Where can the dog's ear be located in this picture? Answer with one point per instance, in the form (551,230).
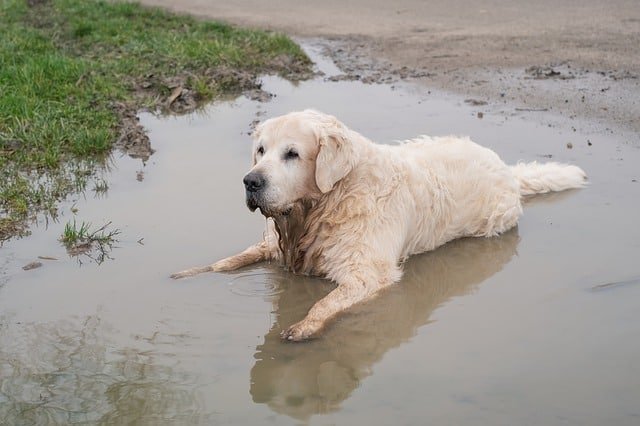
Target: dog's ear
(255,135)
(336,156)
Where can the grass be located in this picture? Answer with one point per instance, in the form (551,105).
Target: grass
(101,186)
(74,235)
(82,240)
(73,73)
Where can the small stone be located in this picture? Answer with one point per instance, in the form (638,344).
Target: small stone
(475,102)
(32,265)
(569,145)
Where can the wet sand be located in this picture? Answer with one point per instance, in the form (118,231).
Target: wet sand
(578,59)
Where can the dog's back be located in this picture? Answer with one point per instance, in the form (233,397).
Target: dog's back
(458,188)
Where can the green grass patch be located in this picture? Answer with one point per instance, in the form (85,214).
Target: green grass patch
(75,235)
(73,73)
(81,239)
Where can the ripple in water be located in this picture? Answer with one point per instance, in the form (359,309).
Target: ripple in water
(256,284)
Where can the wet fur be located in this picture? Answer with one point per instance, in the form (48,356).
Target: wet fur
(352,211)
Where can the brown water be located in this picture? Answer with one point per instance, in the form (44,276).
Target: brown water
(538,326)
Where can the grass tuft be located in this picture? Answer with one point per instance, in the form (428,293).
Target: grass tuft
(82,240)
(101,186)
(73,73)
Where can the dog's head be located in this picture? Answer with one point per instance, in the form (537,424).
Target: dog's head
(298,156)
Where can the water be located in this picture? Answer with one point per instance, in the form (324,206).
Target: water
(520,329)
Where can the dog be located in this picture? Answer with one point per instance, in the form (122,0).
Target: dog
(350,210)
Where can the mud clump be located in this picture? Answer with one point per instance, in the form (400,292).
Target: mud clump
(538,72)
(290,67)
(259,95)
(32,265)
(353,57)
(475,102)
(132,137)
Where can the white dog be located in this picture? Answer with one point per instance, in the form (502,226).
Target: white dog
(350,210)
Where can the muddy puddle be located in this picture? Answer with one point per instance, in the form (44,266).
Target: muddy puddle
(538,326)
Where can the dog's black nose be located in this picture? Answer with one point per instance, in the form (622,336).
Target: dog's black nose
(253,182)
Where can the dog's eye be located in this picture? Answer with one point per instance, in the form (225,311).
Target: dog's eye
(291,154)
(260,150)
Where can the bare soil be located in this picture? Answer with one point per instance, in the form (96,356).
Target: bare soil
(575,58)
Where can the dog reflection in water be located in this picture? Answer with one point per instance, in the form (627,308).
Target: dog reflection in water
(316,377)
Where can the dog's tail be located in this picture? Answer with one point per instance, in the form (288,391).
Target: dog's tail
(535,178)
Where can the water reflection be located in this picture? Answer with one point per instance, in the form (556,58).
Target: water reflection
(300,380)
(68,372)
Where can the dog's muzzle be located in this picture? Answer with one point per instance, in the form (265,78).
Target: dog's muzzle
(254,184)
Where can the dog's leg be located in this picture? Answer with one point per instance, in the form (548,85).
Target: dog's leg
(345,295)
(254,254)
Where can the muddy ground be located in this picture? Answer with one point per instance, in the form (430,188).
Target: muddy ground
(538,326)
(579,59)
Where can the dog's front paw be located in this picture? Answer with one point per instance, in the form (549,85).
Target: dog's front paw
(302,330)
(181,274)
(190,272)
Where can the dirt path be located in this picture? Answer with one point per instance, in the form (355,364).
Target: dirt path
(576,58)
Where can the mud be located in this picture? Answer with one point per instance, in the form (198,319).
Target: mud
(485,49)
(537,326)
(133,139)
(605,98)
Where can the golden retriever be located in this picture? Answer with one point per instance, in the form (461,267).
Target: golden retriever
(350,210)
